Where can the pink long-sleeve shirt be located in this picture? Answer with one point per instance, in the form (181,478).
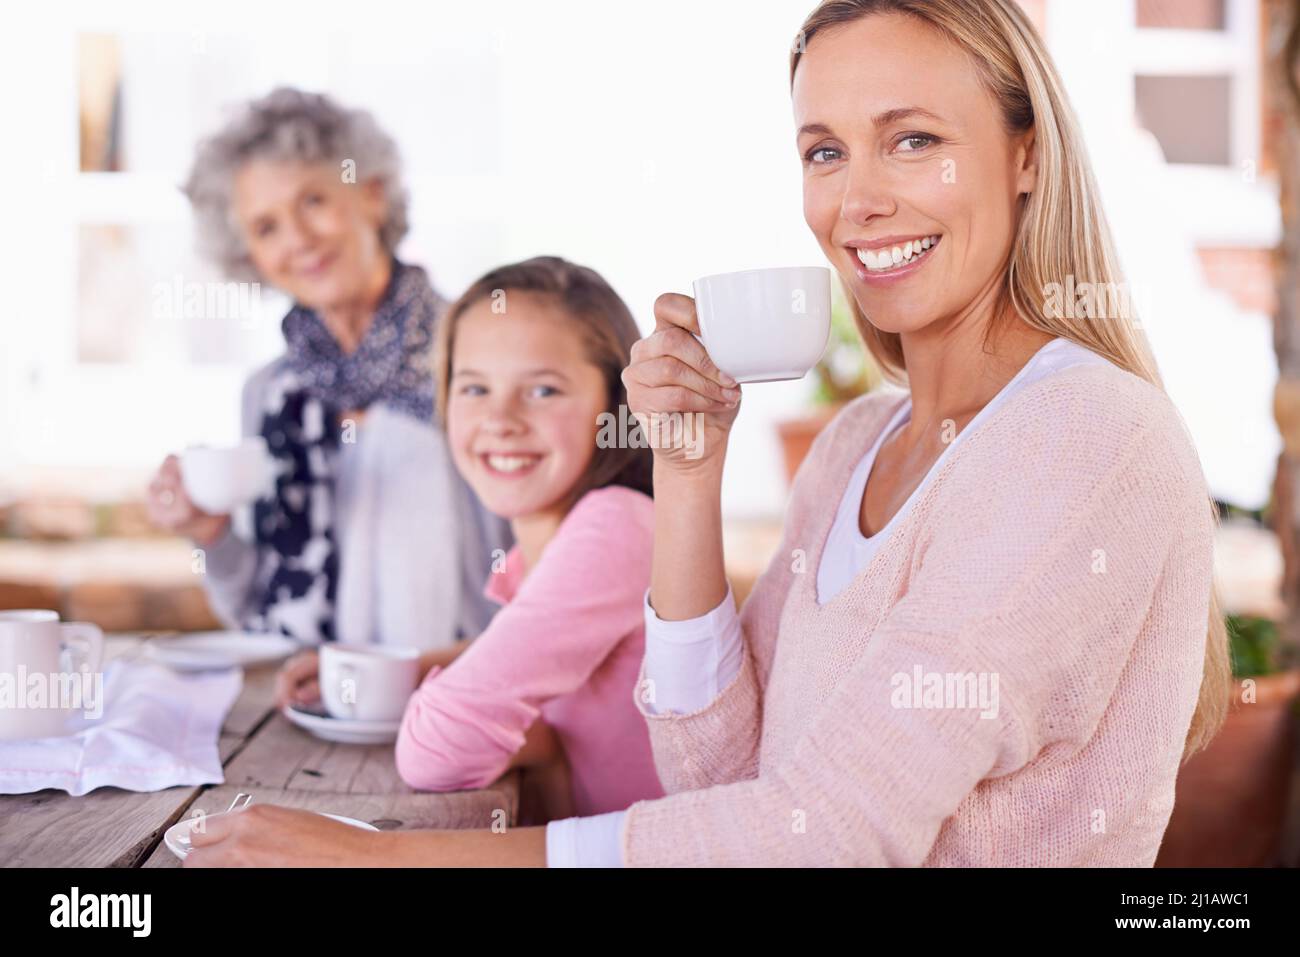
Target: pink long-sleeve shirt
(566,646)
(1008,682)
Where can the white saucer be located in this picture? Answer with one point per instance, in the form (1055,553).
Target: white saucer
(211,650)
(344,730)
(177,837)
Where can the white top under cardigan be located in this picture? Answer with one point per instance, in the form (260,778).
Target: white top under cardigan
(691,661)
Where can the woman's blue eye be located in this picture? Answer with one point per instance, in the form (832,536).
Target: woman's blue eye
(925,139)
(473,390)
(545,391)
(811,155)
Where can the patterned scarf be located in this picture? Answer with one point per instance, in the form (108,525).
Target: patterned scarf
(297,574)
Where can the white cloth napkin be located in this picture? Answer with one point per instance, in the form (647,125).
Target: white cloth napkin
(159,729)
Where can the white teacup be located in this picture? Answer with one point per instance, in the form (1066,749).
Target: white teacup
(218,480)
(63,658)
(763,325)
(367,682)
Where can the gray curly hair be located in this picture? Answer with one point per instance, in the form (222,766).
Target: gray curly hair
(294,126)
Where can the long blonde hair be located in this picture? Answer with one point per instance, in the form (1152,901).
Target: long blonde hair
(1062,232)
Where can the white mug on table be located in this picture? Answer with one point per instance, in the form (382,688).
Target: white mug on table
(367,682)
(49,671)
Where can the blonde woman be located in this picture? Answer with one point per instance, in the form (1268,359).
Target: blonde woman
(984,638)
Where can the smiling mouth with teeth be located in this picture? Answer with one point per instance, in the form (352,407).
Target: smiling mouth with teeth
(892,257)
(502,464)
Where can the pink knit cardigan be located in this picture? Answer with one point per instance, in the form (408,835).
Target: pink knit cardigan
(1009,682)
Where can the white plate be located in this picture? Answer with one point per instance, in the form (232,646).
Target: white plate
(177,837)
(344,730)
(210,650)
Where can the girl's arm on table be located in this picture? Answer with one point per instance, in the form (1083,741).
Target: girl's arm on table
(541,746)
(546,787)
(442,657)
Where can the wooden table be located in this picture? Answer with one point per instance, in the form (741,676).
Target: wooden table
(264,755)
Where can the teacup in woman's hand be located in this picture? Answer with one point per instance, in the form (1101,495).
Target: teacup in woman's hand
(219,480)
(764,325)
(170,508)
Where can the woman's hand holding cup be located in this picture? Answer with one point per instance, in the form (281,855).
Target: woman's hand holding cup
(170,507)
(684,403)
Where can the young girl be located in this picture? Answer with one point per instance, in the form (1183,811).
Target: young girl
(528,360)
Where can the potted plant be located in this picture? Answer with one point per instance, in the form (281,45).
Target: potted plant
(1231,799)
(845,372)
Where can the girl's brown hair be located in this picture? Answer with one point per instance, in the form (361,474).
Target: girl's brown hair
(1062,230)
(608,332)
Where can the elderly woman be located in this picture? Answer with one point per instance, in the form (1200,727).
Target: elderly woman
(369,534)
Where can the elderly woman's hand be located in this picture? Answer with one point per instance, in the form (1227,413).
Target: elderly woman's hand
(170,508)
